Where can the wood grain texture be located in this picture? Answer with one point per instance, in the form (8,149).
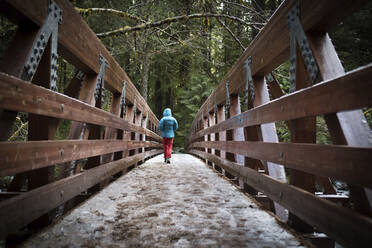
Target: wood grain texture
(18,95)
(351,164)
(323,98)
(341,224)
(270,48)
(21,210)
(17,157)
(79,45)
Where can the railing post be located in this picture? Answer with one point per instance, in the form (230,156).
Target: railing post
(303,130)
(212,136)
(268,133)
(137,136)
(205,125)
(343,132)
(238,133)
(221,135)
(42,128)
(13,63)
(127,135)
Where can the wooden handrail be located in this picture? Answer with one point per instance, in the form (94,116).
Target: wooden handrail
(79,45)
(270,48)
(18,95)
(341,224)
(322,98)
(106,154)
(21,210)
(16,157)
(349,164)
(336,96)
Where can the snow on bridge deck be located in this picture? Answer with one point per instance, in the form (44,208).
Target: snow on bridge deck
(184,204)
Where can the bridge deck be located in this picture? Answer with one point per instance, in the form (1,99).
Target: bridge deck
(184,204)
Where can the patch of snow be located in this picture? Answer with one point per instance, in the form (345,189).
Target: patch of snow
(182,204)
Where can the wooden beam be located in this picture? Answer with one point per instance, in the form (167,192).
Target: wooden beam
(270,48)
(111,133)
(127,135)
(345,226)
(79,45)
(356,133)
(13,62)
(276,92)
(303,130)
(20,210)
(21,96)
(16,157)
(350,164)
(322,98)
(268,134)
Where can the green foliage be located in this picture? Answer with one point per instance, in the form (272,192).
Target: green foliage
(188,59)
(7,31)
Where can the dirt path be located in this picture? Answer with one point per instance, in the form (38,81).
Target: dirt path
(184,204)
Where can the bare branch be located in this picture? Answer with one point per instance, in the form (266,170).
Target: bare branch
(150,24)
(90,11)
(231,33)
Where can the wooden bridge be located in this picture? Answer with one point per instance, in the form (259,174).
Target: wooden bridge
(242,146)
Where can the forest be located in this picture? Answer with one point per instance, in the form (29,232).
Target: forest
(177,51)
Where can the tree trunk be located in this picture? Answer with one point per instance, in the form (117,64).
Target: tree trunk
(145,75)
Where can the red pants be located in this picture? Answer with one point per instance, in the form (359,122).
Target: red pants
(167,147)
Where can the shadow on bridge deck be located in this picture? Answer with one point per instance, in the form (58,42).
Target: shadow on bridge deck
(184,204)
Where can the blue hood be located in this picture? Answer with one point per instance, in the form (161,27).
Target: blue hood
(167,112)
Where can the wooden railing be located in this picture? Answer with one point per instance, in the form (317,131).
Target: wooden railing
(243,145)
(46,172)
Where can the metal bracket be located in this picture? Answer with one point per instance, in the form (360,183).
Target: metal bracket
(48,29)
(298,36)
(122,100)
(80,75)
(249,88)
(269,77)
(227,105)
(135,105)
(100,83)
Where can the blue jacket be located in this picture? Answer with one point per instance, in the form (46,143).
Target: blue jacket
(168,124)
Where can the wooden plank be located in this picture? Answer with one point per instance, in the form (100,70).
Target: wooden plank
(79,45)
(16,157)
(237,133)
(356,133)
(268,134)
(20,210)
(127,135)
(79,130)
(42,128)
(303,130)
(13,62)
(222,134)
(345,226)
(276,92)
(350,164)
(137,122)
(323,98)
(111,133)
(270,48)
(212,136)
(21,96)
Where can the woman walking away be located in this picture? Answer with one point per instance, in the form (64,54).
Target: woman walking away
(167,125)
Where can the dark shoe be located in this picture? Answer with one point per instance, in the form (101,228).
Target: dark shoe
(168,161)
(165,160)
